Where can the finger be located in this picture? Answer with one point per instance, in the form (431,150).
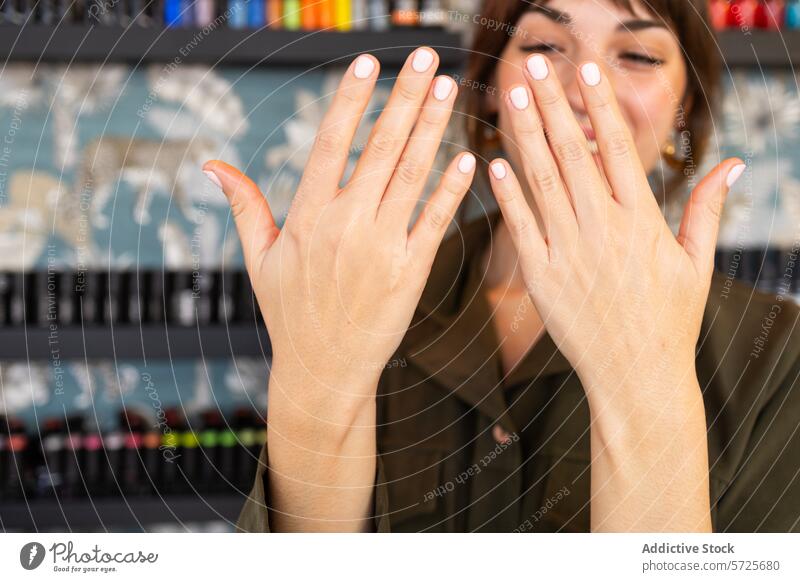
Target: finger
(411,174)
(519,218)
(700,224)
(549,193)
(430,227)
(621,163)
(331,150)
(390,133)
(251,214)
(567,140)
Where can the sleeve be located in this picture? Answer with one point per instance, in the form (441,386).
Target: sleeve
(764,494)
(255,515)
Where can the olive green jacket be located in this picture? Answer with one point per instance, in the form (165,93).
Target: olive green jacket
(463,449)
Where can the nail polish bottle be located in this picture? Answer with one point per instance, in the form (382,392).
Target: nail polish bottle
(742,14)
(792,15)
(16,467)
(74,458)
(770,14)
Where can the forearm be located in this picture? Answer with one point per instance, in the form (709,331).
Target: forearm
(649,467)
(321,446)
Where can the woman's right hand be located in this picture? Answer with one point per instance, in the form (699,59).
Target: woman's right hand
(339,283)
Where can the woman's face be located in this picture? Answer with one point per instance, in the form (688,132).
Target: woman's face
(641,56)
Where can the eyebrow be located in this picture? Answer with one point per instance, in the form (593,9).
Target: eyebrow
(562,17)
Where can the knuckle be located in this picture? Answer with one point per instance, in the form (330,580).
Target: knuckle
(351,96)
(548,98)
(531,129)
(430,120)
(452,186)
(617,145)
(522,227)
(382,145)
(328,142)
(571,151)
(238,205)
(602,107)
(714,209)
(410,173)
(547,180)
(436,217)
(407,92)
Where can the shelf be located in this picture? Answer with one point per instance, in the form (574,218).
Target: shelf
(135,343)
(760,48)
(222,46)
(118,514)
(265,47)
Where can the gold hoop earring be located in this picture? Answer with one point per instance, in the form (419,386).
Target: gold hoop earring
(669,155)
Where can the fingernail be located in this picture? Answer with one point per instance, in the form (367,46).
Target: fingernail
(519,98)
(735,173)
(442,88)
(499,170)
(423,59)
(537,67)
(213,177)
(364,67)
(591,74)
(466,164)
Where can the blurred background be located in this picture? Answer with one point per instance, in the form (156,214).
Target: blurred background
(133,362)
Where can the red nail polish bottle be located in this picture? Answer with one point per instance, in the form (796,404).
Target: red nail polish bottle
(770,14)
(719,11)
(742,13)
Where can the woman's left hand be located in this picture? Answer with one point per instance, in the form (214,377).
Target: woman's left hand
(620,295)
(605,272)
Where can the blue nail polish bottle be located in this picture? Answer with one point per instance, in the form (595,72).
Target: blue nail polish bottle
(792,18)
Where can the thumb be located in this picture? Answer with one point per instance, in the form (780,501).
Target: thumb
(700,224)
(251,214)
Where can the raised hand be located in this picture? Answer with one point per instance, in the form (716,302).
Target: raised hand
(339,283)
(621,296)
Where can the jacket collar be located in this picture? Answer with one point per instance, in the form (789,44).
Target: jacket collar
(452,337)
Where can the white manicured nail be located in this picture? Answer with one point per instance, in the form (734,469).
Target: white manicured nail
(213,177)
(423,59)
(591,74)
(499,170)
(466,164)
(442,88)
(364,67)
(519,98)
(735,173)
(537,67)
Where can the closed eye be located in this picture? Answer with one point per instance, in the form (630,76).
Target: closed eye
(539,48)
(640,58)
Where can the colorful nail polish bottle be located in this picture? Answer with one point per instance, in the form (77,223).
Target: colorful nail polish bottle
(770,14)
(742,14)
(718,11)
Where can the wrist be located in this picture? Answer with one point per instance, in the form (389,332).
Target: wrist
(306,401)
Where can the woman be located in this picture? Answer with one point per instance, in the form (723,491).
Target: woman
(566,365)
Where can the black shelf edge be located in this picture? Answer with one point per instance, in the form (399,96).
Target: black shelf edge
(134,343)
(132,513)
(222,46)
(267,47)
(760,48)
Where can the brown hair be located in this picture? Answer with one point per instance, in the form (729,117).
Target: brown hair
(688,19)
